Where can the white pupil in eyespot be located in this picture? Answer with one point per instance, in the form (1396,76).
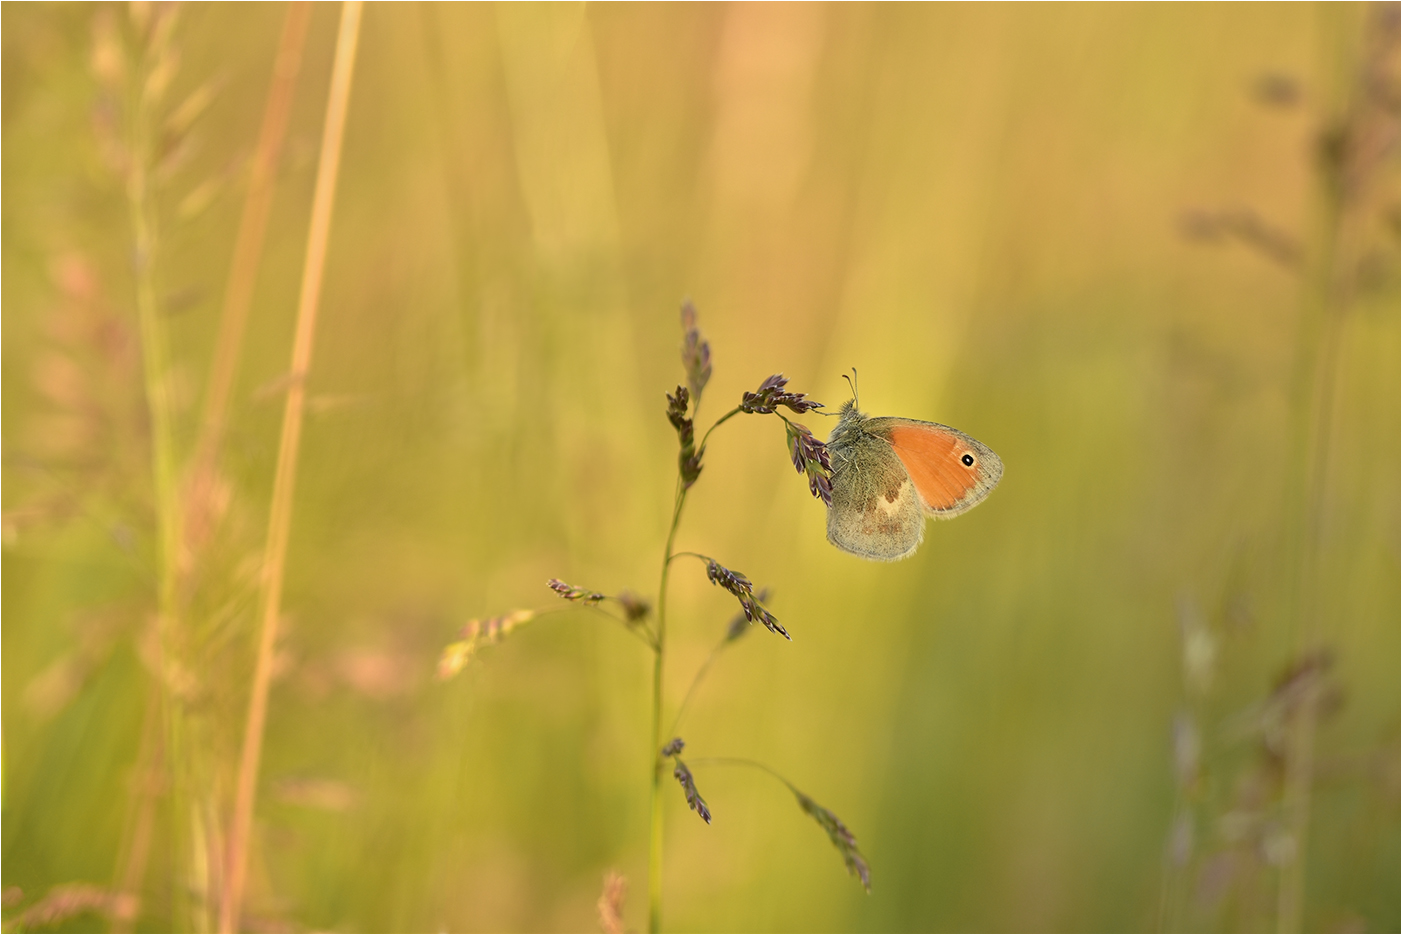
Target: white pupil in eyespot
(968,460)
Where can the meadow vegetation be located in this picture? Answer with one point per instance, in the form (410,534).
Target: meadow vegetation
(1147,253)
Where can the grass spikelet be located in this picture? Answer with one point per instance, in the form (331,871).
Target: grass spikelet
(696,353)
(740,624)
(573,594)
(771,395)
(842,838)
(688,457)
(740,586)
(810,457)
(688,784)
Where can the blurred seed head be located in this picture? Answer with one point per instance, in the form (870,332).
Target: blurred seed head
(1199,645)
(327,795)
(1246,227)
(696,352)
(635,607)
(842,838)
(183,117)
(1277,845)
(107,58)
(674,746)
(1187,751)
(1180,840)
(1277,89)
(611,903)
(1303,683)
(71,899)
(377,673)
(479,633)
(1215,879)
(88,375)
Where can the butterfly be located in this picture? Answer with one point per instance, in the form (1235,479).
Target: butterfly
(889,473)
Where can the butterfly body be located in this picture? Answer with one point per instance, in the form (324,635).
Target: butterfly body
(889,473)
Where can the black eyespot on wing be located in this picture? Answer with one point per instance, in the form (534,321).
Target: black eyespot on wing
(968,460)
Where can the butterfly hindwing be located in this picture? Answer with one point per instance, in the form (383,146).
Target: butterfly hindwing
(876,511)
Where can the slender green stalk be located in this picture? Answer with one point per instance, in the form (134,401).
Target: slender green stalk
(152,76)
(742,761)
(654,863)
(734,412)
(284,482)
(659,762)
(695,682)
(1345,175)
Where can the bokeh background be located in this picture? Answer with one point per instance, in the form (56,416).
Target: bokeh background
(1130,247)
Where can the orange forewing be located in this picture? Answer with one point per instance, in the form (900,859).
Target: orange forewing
(931,458)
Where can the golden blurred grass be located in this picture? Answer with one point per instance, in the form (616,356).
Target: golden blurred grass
(977,206)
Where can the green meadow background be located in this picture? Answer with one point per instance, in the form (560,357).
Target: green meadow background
(1095,237)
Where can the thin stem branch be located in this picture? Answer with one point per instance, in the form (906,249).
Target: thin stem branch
(640,632)
(280,514)
(696,681)
(743,761)
(717,424)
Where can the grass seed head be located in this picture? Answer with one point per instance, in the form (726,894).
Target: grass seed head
(771,395)
(693,797)
(751,605)
(842,838)
(740,623)
(635,607)
(696,352)
(571,593)
(810,457)
(688,457)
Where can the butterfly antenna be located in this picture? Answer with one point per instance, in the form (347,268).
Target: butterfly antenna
(852,382)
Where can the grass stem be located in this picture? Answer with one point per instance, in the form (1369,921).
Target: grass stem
(1343,178)
(654,863)
(280,513)
(253,226)
(155,356)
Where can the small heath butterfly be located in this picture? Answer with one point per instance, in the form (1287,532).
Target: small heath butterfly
(888,474)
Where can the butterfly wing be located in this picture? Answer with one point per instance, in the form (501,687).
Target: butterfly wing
(951,471)
(876,512)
